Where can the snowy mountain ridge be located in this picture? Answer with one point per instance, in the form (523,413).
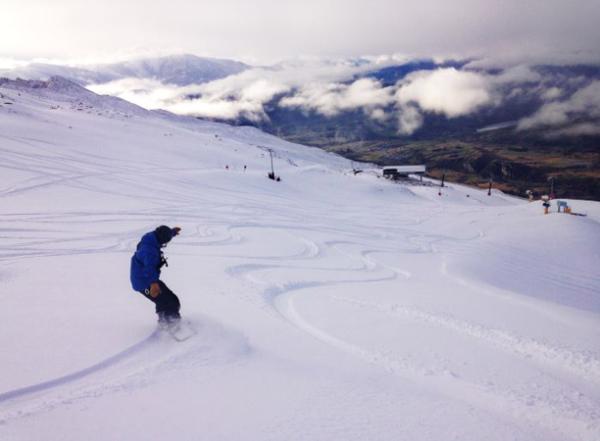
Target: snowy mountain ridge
(328,305)
(181,70)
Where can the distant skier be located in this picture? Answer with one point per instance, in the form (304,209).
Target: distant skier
(146,263)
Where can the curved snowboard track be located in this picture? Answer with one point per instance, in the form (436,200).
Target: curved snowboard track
(547,416)
(78,375)
(556,416)
(151,360)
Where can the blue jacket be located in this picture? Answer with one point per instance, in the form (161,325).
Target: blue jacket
(146,262)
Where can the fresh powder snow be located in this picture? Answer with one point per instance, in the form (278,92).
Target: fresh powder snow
(328,306)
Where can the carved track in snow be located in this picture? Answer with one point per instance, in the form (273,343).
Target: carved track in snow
(575,416)
(136,366)
(565,413)
(78,375)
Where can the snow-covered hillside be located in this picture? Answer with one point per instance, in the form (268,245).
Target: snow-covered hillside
(328,306)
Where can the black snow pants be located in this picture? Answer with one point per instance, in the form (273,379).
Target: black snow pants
(167,303)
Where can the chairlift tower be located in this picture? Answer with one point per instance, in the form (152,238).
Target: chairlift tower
(271,155)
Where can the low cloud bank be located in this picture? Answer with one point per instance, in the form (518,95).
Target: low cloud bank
(230,98)
(332,99)
(445,91)
(448,92)
(330,88)
(147,93)
(585,103)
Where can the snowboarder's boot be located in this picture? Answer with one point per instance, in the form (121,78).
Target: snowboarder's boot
(168,321)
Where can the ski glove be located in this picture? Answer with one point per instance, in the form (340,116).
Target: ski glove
(154,290)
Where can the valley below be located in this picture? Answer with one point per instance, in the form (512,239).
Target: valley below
(512,169)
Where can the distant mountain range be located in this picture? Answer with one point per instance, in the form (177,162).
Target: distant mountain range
(180,70)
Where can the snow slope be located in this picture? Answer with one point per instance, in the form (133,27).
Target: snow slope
(328,306)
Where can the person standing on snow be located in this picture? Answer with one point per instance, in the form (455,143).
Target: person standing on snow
(146,263)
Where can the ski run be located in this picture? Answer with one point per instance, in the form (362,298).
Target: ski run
(327,306)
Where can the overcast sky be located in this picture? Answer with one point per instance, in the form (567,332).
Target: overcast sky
(264,31)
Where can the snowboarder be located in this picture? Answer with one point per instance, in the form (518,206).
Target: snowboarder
(146,263)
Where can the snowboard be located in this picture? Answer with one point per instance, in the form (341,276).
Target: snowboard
(180,331)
